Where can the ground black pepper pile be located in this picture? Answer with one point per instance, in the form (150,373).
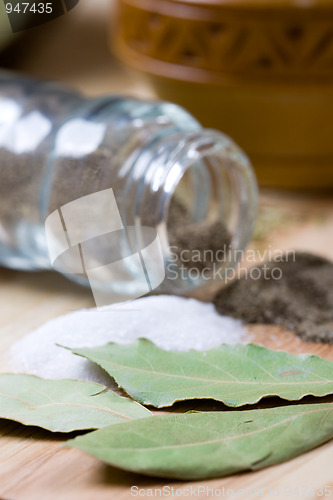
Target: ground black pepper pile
(196,238)
(301,300)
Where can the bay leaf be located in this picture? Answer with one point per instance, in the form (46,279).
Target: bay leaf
(236,374)
(210,444)
(63,405)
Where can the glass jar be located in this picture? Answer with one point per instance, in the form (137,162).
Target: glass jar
(117,192)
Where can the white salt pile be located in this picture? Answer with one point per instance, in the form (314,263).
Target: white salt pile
(172,323)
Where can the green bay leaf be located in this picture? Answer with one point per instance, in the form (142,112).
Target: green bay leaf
(63,405)
(234,374)
(210,444)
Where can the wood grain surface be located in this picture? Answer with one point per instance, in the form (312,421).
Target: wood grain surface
(33,464)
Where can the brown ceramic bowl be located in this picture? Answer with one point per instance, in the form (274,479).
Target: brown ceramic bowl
(260,71)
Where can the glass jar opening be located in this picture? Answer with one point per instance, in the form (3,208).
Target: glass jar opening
(209,212)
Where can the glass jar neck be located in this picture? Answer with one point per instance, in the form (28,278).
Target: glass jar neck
(198,192)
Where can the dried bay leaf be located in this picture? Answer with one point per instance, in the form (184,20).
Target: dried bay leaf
(236,374)
(63,405)
(210,444)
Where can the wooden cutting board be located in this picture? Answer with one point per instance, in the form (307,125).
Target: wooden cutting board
(33,464)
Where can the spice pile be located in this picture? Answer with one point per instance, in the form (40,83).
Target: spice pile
(300,300)
(173,323)
(201,242)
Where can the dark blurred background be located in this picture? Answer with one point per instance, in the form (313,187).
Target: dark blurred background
(73,49)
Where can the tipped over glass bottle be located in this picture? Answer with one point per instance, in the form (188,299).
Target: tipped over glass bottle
(124,195)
